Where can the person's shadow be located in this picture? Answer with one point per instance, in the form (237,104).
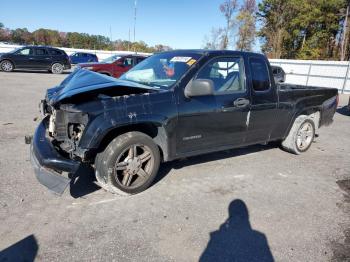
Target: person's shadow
(236,240)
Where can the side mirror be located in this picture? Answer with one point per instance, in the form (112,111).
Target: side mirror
(120,63)
(199,87)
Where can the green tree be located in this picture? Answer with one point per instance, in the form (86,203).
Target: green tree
(302,29)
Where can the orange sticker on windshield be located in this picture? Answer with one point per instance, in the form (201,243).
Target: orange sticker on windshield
(191,62)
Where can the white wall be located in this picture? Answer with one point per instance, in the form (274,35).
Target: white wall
(316,73)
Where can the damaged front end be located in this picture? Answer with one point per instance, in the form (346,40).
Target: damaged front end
(66,127)
(55,150)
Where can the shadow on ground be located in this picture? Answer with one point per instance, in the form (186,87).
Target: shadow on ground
(344,111)
(235,240)
(24,250)
(38,71)
(83,182)
(165,168)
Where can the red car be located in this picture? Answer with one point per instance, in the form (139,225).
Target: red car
(114,65)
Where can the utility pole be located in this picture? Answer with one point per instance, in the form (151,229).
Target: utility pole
(135,7)
(129,41)
(110,35)
(344,38)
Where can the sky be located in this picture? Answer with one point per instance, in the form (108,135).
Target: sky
(176,23)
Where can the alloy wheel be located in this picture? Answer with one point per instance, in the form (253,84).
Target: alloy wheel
(134,166)
(305,136)
(57,68)
(6,66)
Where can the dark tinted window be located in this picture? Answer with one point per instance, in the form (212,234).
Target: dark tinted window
(55,52)
(139,59)
(41,51)
(260,74)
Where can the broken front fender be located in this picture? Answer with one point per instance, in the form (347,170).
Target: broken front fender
(48,163)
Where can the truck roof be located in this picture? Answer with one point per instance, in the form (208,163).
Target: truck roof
(213,52)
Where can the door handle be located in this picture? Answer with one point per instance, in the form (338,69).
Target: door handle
(241,102)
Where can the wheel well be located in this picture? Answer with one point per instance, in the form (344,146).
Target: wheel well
(314,113)
(149,129)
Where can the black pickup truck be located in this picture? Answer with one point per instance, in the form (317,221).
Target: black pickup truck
(172,105)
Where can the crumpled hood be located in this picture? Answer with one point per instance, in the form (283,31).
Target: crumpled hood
(82,81)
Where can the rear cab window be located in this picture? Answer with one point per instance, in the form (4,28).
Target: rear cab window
(260,74)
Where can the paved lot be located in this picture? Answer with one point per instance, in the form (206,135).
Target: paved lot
(298,206)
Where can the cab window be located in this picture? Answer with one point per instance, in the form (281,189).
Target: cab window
(260,74)
(227,74)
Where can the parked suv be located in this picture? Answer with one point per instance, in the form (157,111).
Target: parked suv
(79,57)
(35,57)
(115,65)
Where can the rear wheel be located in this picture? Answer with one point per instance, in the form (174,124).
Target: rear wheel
(6,66)
(57,68)
(129,164)
(300,136)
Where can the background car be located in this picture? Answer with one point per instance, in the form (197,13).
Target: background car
(80,57)
(278,74)
(115,65)
(35,57)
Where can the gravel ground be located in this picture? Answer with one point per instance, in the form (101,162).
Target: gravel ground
(257,202)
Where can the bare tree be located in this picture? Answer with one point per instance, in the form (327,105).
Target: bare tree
(344,37)
(213,41)
(228,9)
(219,38)
(246,22)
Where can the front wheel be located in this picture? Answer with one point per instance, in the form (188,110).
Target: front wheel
(129,164)
(57,68)
(6,66)
(300,136)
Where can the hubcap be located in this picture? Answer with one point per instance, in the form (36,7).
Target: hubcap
(57,68)
(6,66)
(305,135)
(134,166)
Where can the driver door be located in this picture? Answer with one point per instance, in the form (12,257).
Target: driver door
(24,58)
(207,123)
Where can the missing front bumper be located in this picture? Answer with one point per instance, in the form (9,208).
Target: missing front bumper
(48,163)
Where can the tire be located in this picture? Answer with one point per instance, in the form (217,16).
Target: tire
(300,136)
(7,66)
(56,68)
(122,170)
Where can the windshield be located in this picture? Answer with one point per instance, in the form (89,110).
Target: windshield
(111,59)
(162,70)
(15,50)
